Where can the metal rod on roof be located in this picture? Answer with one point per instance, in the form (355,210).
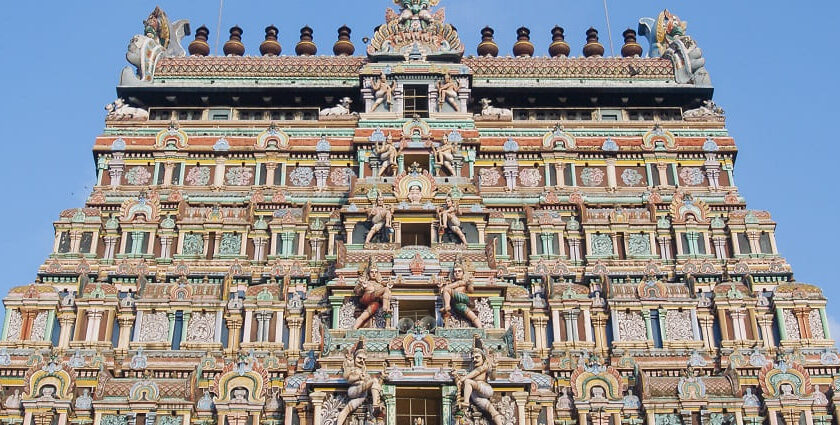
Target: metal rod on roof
(219,28)
(609,28)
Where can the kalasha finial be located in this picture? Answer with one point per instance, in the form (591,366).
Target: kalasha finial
(305,46)
(558,47)
(592,47)
(234,46)
(271,47)
(199,46)
(488,46)
(523,46)
(343,46)
(631,48)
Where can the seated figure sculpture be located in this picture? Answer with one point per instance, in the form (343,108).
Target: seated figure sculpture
(361,383)
(373,292)
(455,292)
(473,388)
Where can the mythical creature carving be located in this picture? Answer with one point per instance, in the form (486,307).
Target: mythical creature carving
(448,219)
(361,383)
(373,292)
(454,293)
(473,387)
(380,216)
(160,38)
(668,39)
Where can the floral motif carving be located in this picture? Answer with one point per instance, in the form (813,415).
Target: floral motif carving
(341,176)
(239,176)
(489,177)
(39,327)
(602,245)
(198,176)
(631,326)
(155,327)
(201,327)
(301,176)
(15,325)
(638,244)
(631,177)
(791,325)
(592,176)
(815,323)
(692,176)
(678,326)
(530,177)
(138,176)
(193,244)
(231,244)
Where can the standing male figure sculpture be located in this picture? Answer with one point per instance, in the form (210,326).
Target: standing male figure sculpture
(473,387)
(361,383)
(455,292)
(380,217)
(373,292)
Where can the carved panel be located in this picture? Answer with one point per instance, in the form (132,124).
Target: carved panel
(791,325)
(631,326)
(201,327)
(678,326)
(816,324)
(154,328)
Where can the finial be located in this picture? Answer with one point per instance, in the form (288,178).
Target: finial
(343,46)
(271,47)
(558,47)
(305,46)
(523,46)
(234,46)
(631,48)
(592,47)
(488,46)
(199,46)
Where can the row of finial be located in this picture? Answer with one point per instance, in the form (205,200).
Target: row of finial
(270,47)
(344,47)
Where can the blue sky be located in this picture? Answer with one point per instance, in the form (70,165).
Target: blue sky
(772,64)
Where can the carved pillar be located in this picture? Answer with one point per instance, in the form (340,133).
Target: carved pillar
(295,321)
(125,320)
(599,322)
(521,398)
(65,321)
(270,170)
(317,398)
(234,323)
(168,170)
(219,174)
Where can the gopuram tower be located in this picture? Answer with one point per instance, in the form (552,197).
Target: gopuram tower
(414,236)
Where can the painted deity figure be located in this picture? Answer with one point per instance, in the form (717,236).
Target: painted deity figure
(383,92)
(156,27)
(380,216)
(445,155)
(448,219)
(361,383)
(373,292)
(455,292)
(473,388)
(387,154)
(448,93)
(415,8)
